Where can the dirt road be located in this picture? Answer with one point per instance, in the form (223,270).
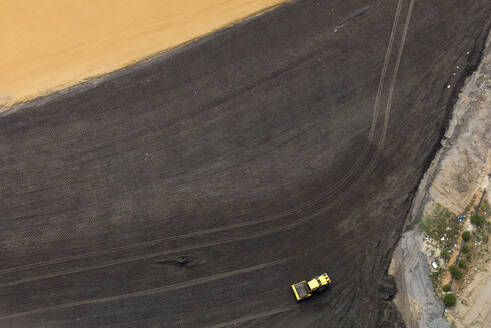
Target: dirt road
(192,190)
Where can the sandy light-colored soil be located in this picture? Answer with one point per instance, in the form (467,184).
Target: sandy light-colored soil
(53,44)
(474,293)
(478,312)
(478,295)
(474,307)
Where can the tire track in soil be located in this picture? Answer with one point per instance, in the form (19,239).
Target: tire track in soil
(373,162)
(150,291)
(341,183)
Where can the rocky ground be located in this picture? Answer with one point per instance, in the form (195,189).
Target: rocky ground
(473,291)
(458,173)
(474,306)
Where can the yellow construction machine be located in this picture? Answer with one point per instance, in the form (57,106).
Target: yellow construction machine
(305,289)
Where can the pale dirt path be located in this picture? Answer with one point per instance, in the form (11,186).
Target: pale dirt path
(50,45)
(476,310)
(473,310)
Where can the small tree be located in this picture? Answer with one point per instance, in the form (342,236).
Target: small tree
(446,288)
(477,220)
(466,249)
(466,235)
(445,255)
(455,272)
(450,300)
(461,263)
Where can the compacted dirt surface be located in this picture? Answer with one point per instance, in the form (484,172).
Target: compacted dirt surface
(191,190)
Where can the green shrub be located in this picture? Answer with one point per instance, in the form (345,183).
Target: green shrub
(446,288)
(466,235)
(455,272)
(424,226)
(450,300)
(484,205)
(445,255)
(435,277)
(466,249)
(468,257)
(477,220)
(441,222)
(461,263)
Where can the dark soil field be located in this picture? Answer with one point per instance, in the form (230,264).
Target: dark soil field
(193,189)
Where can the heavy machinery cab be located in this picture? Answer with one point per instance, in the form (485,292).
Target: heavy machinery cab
(319,282)
(314,284)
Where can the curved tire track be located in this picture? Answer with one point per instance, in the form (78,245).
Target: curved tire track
(334,190)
